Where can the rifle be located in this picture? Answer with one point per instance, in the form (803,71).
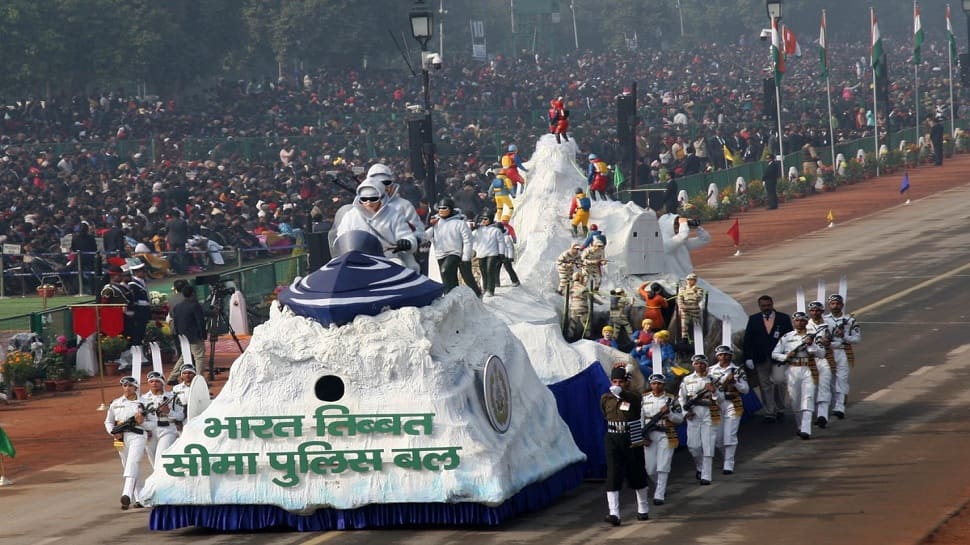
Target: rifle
(699,396)
(652,423)
(128,425)
(154,410)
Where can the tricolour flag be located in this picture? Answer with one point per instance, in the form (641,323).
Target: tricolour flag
(735,232)
(6,447)
(823,54)
(777,51)
(876,52)
(950,38)
(917,35)
(904,187)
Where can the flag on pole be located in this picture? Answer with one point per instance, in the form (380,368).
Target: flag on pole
(917,35)
(777,51)
(791,42)
(6,447)
(876,52)
(823,55)
(618,178)
(950,38)
(735,232)
(904,187)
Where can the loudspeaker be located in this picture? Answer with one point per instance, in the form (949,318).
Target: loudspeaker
(626,133)
(965,69)
(419,140)
(319,249)
(771,107)
(626,111)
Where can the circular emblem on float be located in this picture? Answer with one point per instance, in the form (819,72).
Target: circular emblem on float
(498,394)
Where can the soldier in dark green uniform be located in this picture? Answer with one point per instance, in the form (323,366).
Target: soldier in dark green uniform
(624,446)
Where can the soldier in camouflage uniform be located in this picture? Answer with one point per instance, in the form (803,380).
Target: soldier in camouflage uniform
(580,305)
(566,265)
(690,302)
(619,312)
(594,258)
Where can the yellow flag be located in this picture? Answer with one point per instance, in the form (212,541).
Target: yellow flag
(830,217)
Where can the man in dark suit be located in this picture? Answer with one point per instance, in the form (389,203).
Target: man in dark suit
(762,333)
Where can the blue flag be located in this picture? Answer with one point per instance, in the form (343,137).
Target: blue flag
(905,185)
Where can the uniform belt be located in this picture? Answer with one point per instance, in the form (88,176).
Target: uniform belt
(797,363)
(163,424)
(614,426)
(702,403)
(798,360)
(138,431)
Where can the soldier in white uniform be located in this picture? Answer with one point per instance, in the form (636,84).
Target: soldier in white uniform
(661,415)
(699,398)
(844,333)
(161,415)
(128,413)
(733,386)
(371,213)
(380,172)
(823,393)
(181,393)
(797,350)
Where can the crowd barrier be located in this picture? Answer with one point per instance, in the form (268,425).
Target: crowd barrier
(259,282)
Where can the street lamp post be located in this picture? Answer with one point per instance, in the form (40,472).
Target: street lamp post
(422,28)
(774,15)
(966,10)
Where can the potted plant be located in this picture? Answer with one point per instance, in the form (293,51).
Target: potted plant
(18,369)
(58,363)
(160,332)
(111,348)
(159,303)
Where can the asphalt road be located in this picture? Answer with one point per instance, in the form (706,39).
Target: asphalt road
(889,473)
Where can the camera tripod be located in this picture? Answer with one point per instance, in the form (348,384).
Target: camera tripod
(218,318)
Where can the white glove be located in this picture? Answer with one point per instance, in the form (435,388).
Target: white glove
(749,364)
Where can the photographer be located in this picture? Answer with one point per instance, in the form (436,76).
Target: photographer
(681,235)
(188,318)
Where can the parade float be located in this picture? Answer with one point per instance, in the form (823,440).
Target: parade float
(370,400)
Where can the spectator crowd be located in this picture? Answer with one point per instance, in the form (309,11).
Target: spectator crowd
(122,169)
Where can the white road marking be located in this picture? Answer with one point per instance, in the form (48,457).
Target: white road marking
(876,395)
(922,370)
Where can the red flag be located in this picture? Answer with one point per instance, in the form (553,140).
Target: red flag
(85,322)
(112,320)
(735,232)
(791,42)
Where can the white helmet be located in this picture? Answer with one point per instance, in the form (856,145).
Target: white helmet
(380,171)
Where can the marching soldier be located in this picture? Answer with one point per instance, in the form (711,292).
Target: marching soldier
(797,350)
(181,393)
(823,393)
(699,398)
(661,415)
(844,333)
(733,385)
(566,265)
(161,415)
(624,436)
(125,422)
